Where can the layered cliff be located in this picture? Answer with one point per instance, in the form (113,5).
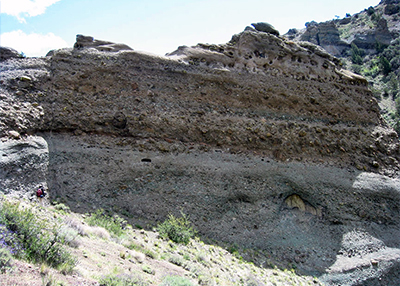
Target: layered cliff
(257,93)
(264,142)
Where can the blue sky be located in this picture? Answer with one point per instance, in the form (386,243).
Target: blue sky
(158,26)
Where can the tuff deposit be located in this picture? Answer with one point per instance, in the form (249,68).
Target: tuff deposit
(264,142)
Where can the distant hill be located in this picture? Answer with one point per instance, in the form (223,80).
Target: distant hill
(368,43)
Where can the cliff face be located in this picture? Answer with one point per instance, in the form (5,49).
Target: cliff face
(264,142)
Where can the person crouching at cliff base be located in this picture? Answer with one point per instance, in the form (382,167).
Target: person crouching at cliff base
(40,194)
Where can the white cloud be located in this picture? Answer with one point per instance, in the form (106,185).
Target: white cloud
(32,45)
(25,8)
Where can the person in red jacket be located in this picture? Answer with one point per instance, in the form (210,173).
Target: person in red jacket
(40,194)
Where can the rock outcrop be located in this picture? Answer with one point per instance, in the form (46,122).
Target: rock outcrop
(8,53)
(374,26)
(325,35)
(264,142)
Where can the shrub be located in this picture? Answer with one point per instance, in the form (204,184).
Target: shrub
(176,281)
(147,269)
(114,224)
(99,231)
(5,260)
(124,280)
(179,230)
(61,208)
(177,260)
(35,238)
(77,225)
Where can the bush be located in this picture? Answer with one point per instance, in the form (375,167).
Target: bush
(61,208)
(177,260)
(114,224)
(179,230)
(176,281)
(34,238)
(124,280)
(5,260)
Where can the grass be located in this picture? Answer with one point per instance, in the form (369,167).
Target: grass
(176,281)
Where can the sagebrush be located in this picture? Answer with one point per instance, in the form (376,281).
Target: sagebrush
(34,238)
(179,230)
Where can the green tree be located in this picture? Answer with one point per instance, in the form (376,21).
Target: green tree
(357,54)
(370,11)
(385,65)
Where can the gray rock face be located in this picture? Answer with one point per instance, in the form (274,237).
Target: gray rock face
(23,165)
(338,224)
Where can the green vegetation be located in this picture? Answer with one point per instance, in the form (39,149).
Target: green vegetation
(114,224)
(356,54)
(370,11)
(121,280)
(5,260)
(179,230)
(176,281)
(29,236)
(385,65)
(392,54)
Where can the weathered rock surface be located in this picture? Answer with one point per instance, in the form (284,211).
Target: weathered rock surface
(264,142)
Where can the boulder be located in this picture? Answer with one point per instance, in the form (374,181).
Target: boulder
(266,28)
(83,42)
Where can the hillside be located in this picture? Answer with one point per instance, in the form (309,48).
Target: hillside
(141,257)
(368,44)
(267,144)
